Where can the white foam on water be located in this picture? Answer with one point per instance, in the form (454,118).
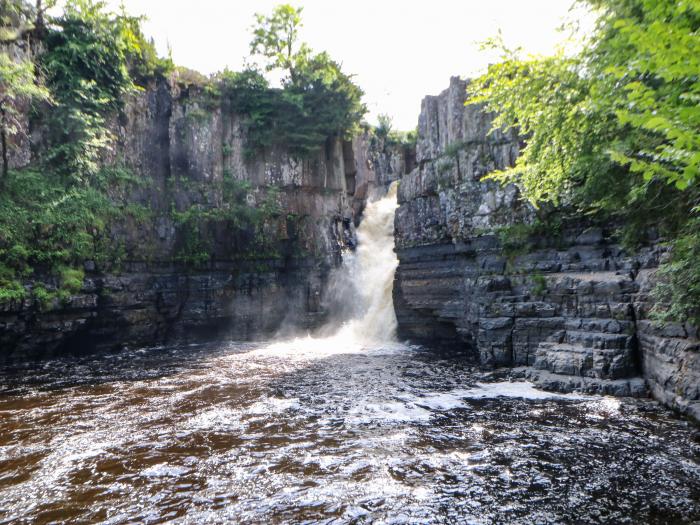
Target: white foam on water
(312,348)
(603,408)
(272,405)
(519,389)
(388,412)
(442,401)
(163,470)
(218,418)
(457,398)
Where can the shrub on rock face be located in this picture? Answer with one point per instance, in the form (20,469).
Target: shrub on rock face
(17,85)
(678,289)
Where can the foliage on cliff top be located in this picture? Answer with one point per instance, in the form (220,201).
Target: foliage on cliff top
(615,127)
(93,59)
(384,131)
(57,214)
(317,100)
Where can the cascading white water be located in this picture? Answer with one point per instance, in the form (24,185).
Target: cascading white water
(363,286)
(371,271)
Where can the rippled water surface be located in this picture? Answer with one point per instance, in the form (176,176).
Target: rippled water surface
(314,431)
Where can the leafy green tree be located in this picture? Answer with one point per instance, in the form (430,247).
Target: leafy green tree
(652,50)
(630,98)
(332,102)
(87,69)
(275,37)
(615,128)
(318,100)
(678,287)
(142,60)
(55,218)
(549,101)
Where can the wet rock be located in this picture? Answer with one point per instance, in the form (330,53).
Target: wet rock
(590,236)
(633,387)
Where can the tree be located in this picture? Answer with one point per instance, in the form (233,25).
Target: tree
(331,101)
(630,99)
(17,86)
(652,50)
(549,102)
(276,38)
(384,126)
(86,63)
(57,214)
(318,100)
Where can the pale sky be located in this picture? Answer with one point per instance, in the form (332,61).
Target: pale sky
(399,51)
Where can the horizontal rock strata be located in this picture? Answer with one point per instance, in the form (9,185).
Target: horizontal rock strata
(171,137)
(571,306)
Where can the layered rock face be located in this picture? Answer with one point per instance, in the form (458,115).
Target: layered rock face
(182,150)
(569,307)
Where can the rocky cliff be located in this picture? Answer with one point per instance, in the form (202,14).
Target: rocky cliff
(186,152)
(477,273)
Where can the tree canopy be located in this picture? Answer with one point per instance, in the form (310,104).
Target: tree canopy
(317,101)
(628,99)
(275,37)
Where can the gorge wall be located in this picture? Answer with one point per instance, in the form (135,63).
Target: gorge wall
(185,152)
(477,272)
(569,308)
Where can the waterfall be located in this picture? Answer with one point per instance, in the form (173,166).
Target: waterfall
(370,274)
(360,294)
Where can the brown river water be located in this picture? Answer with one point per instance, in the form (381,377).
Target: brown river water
(311,431)
(346,427)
